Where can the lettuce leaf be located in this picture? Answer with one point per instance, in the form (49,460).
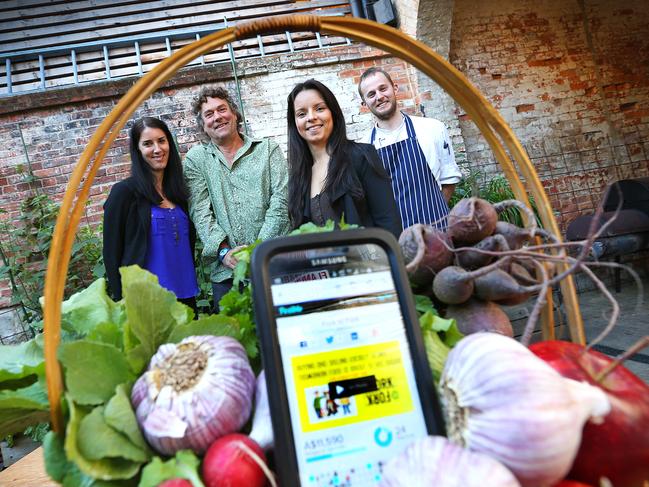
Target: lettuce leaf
(183,466)
(440,334)
(15,420)
(84,310)
(22,360)
(93,370)
(119,415)
(98,440)
(218,325)
(152,313)
(56,463)
(104,469)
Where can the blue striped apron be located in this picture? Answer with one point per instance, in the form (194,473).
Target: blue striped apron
(419,198)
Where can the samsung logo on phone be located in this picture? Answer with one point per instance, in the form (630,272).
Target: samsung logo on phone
(338,259)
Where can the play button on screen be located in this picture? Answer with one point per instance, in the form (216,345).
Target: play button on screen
(351,387)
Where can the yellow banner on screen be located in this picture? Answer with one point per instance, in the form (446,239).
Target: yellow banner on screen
(314,372)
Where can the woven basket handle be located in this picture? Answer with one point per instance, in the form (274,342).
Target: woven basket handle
(493,127)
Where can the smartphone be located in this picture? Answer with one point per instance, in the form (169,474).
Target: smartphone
(349,384)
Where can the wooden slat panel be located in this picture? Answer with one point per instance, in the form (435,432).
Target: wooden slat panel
(28,18)
(105,28)
(123,62)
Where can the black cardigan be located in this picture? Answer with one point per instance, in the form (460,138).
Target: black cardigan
(127,222)
(378,207)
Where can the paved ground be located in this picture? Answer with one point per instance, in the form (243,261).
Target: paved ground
(632,325)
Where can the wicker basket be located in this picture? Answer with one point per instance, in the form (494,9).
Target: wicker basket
(495,130)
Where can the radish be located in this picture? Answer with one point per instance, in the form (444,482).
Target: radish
(426,250)
(176,483)
(471,220)
(235,460)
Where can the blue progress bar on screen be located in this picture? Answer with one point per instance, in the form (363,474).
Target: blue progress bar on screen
(332,455)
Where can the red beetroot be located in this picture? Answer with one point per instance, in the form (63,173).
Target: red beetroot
(469,259)
(425,251)
(500,287)
(228,462)
(476,315)
(452,286)
(618,448)
(471,220)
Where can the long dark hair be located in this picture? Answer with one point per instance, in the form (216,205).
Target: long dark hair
(340,172)
(173,183)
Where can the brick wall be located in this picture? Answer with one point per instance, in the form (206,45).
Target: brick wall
(434,26)
(572,80)
(57,125)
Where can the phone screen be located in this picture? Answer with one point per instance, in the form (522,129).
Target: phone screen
(347,365)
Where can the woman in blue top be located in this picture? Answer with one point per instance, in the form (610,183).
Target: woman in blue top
(145,216)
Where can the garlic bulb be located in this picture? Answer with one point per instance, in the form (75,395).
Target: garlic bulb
(502,400)
(435,461)
(262,427)
(193,393)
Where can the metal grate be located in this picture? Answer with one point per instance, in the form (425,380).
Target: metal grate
(47,68)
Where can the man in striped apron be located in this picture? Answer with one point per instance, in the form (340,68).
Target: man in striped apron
(415,151)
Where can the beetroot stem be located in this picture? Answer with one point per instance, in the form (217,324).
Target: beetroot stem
(421,248)
(635,348)
(538,305)
(506,204)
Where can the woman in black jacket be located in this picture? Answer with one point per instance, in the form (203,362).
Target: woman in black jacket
(330,176)
(146,217)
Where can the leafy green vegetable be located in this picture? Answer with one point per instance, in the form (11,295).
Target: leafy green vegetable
(56,463)
(119,415)
(207,325)
(37,432)
(86,309)
(98,440)
(242,269)
(238,305)
(104,469)
(22,407)
(424,304)
(183,466)
(31,397)
(152,313)
(440,335)
(108,333)
(93,370)
(436,352)
(15,420)
(22,360)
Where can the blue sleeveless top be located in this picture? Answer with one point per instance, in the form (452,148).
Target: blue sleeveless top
(169,253)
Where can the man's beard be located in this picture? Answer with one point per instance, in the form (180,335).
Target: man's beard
(387,115)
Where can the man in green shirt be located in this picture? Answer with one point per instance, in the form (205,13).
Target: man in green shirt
(237,186)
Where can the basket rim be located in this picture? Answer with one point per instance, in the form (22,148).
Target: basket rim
(493,127)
